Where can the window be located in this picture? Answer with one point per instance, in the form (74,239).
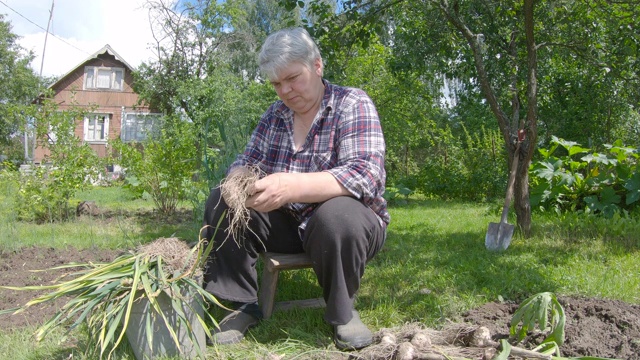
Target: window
(139,126)
(103,78)
(96,127)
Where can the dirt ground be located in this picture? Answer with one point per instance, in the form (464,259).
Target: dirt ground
(595,327)
(17,269)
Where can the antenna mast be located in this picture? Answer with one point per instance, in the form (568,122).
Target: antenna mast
(46,35)
(26,136)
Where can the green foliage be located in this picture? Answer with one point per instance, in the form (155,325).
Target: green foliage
(421,75)
(45,191)
(505,350)
(479,56)
(19,85)
(472,169)
(406,113)
(542,311)
(162,167)
(579,179)
(39,200)
(393,194)
(443,174)
(591,85)
(12,154)
(213,84)
(8,165)
(251,22)
(225,110)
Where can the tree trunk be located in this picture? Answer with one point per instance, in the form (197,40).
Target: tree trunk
(510,128)
(521,203)
(521,191)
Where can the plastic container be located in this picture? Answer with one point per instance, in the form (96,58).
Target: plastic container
(162,343)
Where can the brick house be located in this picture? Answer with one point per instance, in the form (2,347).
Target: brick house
(104,81)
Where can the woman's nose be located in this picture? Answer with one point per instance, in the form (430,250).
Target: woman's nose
(285,88)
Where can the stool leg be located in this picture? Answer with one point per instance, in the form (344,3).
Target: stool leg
(267,293)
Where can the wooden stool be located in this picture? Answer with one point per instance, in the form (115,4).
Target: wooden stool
(273,263)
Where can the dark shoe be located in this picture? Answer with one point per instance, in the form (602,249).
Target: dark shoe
(353,335)
(233,327)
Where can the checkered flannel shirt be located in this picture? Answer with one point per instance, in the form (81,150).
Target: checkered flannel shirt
(345,140)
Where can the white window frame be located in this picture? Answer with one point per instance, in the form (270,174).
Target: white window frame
(92,133)
(113,81)
(52,137)
(136,126)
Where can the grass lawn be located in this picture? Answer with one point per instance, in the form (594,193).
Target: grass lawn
(434,266)
(124,223)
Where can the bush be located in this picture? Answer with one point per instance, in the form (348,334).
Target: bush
(580,179)
(162,167)
(472,169)
(45,191)
(12,154)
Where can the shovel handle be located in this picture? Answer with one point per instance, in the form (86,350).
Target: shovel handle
(512,180)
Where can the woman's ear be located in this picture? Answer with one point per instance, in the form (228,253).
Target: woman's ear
(319,66)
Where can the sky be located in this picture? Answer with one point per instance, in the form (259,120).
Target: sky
(78,29)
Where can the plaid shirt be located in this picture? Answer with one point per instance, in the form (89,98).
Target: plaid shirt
(345,140)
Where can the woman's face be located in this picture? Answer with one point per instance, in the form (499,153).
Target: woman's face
(299,87)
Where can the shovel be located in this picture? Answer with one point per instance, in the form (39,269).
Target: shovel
(499,235)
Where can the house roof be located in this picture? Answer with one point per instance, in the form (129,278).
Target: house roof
(107,49)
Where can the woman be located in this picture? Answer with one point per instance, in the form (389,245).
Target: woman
(322,150)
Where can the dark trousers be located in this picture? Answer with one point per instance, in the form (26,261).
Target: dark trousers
(341,236)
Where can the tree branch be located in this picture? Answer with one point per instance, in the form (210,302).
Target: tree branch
(483,77)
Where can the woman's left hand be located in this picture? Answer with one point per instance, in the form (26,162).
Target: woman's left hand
(268,193)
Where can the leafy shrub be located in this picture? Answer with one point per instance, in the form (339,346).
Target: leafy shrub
(9,183)
(43,196)
(45,191)
(12,155)
(584,180)
(8,165)
(444,174)
(393,194)
(469,169)
(162,167)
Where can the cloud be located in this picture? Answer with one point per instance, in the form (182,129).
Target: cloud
(80,28)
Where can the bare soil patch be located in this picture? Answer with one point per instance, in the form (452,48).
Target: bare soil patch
(22,268)
(595,327)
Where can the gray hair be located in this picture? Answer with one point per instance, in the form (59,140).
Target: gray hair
(287,46)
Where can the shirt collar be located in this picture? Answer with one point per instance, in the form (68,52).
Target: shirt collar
(328,99)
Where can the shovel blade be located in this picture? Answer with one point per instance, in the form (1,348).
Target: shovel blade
(498,236)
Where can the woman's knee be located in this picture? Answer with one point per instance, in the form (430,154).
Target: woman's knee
(340,218)
(341,223)
(339,208)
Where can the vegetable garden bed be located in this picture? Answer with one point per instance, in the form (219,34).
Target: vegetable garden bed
(595,327)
